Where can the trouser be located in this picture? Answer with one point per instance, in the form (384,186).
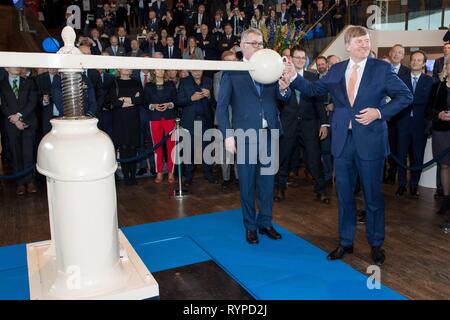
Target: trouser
(371,178)
(128,168)
(158,130)
(22,150)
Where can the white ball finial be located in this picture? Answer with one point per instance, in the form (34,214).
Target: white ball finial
(267,66)
(68,35)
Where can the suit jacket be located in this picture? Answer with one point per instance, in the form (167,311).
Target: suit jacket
(95,49)
(126,44)
(403,71)
(176,54)
(412,118)
(177,42)
(120,51)
(25,103)
(287,18)
(97,85)
(106,83)
(44,87)
(225,44)
(191,110)
(238,90)
(210,48)
(437,68)
(161,11)
(138,53)
(310,111)
(372,140)
(438,104)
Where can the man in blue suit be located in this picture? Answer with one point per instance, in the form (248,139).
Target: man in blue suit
(360,138)
(254,109)
(411,123)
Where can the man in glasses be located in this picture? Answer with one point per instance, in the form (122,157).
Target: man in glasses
(254,110)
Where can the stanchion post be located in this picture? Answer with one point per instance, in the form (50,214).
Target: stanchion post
(178,193)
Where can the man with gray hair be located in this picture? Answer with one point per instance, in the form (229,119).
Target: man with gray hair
(254,109)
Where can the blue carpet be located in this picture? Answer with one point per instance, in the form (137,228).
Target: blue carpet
(291,268)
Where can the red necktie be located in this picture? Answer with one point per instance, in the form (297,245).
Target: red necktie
(145,79)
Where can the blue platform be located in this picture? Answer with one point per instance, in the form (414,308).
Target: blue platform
(291,268)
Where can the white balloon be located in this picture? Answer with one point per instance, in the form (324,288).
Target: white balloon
(266,66)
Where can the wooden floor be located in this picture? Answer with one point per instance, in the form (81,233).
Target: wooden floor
(418,253)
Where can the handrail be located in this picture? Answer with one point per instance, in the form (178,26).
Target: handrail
(317,22)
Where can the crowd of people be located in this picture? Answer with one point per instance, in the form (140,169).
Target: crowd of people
(137,108)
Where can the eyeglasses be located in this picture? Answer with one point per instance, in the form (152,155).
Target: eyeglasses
(299,58)
(256,44)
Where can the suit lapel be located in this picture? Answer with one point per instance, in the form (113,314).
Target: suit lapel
(342,82)
(365,79)
(251,83)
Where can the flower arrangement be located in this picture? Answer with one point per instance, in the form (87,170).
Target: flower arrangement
(279,37)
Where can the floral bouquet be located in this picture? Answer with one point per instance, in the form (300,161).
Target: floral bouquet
(279,37)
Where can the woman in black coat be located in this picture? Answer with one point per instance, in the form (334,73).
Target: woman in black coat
(126,98)
(440,115)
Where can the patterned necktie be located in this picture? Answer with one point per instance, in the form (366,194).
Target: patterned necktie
(352,84)
(15,88)
(297,95)
(145,79)
(414,84)
(170,52)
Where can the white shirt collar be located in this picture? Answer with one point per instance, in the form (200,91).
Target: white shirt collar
(361,64)
(414,76)
(301,72)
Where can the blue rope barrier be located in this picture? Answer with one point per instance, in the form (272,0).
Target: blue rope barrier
(132,159)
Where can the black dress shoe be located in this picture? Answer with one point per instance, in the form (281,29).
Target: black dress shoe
(271,233)
(279,196)
(212,180)
(188,182)
(446,227)
(141,171)
(378,256)
(400,191)
(322,197)
(361,217)
(414,193)
(339,252)
(226,185)
(252,237)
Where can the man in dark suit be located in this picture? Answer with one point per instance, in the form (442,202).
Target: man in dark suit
(115,50)
(181,39)
(198,19)
(228,40)
(153,21)
(18,98)
(439,63)
(254,111)
(283,16)
(298,13)
(305,122)
(195,97)
(216,27)
(411,123)
(207,43)
(396,55)
(98,44)
(237,21)
(124,42)
(359,140)
(104,107)
(171,51)
(160,7)
(44,82)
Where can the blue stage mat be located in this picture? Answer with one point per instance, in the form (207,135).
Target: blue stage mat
(291,268)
